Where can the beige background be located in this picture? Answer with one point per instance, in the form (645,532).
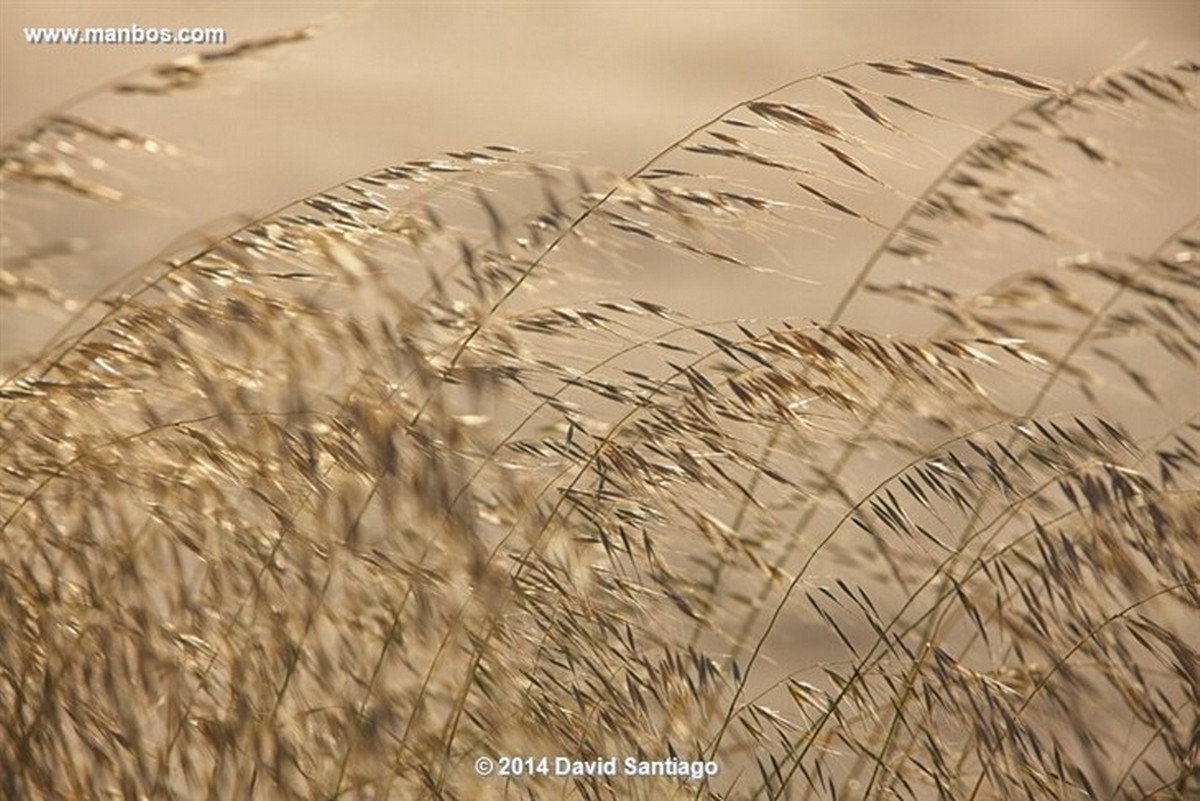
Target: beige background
(611,83)
(389,81)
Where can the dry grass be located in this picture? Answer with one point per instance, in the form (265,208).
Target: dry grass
(397,477)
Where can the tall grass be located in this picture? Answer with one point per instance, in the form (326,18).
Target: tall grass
(403,475)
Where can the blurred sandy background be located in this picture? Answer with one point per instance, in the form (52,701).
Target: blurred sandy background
(390,81)
(387,82)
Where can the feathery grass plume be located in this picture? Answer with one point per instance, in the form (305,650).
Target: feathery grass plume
(69,150)
(404,475)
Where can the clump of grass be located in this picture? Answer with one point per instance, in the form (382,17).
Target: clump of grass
(337,502)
